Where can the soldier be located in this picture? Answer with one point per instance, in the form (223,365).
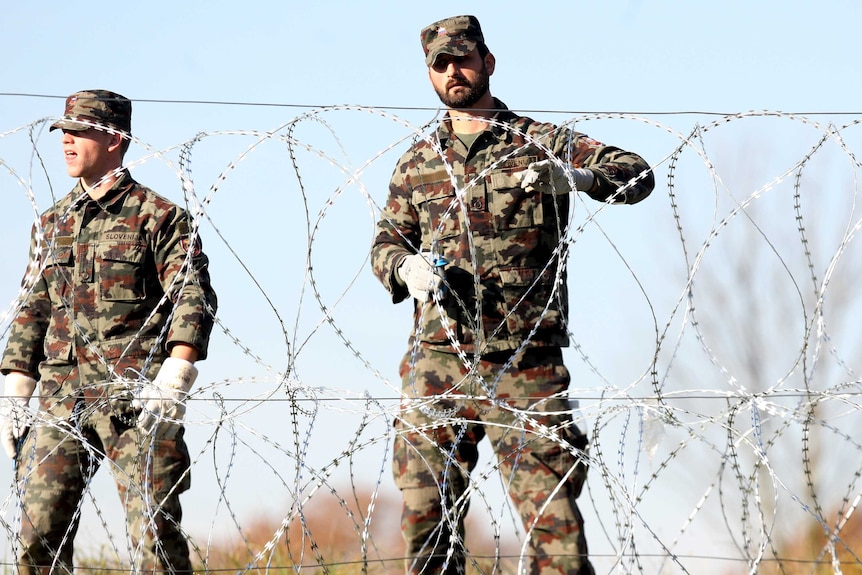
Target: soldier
(117,308)
(471,230)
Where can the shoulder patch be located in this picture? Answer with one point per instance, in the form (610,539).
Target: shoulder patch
(191,247)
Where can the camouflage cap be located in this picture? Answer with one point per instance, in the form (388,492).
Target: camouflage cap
(96,106)
(458,36)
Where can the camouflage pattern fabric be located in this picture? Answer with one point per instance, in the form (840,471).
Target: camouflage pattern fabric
(504,278)
(100,271)
(540,451)
(504,289)
(112,285)
(457,36)
(58,460)
(101,108)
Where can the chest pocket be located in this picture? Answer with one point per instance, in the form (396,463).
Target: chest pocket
(512,207)
(122,271)
(438,213)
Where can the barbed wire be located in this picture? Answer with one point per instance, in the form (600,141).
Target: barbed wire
(322,106)
(704,435)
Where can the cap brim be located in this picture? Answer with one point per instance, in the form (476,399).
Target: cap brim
(459,48)
(66,124)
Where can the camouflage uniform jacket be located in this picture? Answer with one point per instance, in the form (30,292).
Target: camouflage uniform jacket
(97,279)
(501,242)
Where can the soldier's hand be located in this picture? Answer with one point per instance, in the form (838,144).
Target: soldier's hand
(162,402)
(420,277)
(14,411)
(550,177)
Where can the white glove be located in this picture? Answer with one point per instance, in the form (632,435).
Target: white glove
(162,402)
(14,411)
(420,277)
(550,177)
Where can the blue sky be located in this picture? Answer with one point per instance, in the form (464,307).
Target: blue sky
(233,71)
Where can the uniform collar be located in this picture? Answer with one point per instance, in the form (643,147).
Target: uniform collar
(501,117)
(114,194)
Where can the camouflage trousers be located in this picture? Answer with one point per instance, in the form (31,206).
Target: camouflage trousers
(446,412)
(56,465)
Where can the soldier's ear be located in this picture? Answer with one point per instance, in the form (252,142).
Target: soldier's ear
(490,63)
(115,143)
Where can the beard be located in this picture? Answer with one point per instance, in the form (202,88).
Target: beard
(466,98)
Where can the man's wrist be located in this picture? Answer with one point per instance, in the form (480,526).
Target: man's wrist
(19,385)
(585,179)
(184,351)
